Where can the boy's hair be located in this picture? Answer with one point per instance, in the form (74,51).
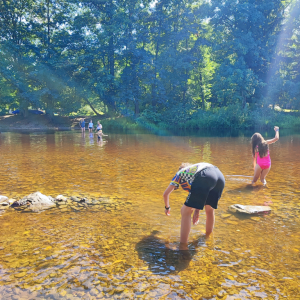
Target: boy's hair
(184,165)
(258,141)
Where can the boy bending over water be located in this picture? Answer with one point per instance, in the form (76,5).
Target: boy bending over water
(204,183)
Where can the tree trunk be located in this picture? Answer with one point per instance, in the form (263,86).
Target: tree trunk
(201,91)
(24,112)
(137,107)
(49,107)
(91,106)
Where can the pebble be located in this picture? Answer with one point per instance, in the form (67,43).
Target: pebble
(20,275)
(63,293)
(94,292)
(61,198)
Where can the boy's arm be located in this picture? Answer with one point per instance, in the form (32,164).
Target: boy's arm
(276,138)
(167,192)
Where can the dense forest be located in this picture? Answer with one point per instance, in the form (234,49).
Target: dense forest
(190,63)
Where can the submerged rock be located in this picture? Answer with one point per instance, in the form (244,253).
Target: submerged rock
(11,201)
(3,198)
(249,209)
(61,198)
(35,202)
(74,198)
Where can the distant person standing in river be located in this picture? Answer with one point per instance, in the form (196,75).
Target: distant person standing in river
(91,126)
(261,155)
(99,126)
(82,125)
(205,184)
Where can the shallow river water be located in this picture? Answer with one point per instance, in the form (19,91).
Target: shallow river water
(125,247)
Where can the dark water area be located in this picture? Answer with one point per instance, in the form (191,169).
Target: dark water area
(208,132)
(127,248)
(177,132)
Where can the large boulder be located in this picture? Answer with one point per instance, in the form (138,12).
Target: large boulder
(35,202)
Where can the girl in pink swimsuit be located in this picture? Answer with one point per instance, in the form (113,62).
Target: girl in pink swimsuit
(261,155)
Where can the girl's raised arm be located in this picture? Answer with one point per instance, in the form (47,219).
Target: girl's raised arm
(276,138)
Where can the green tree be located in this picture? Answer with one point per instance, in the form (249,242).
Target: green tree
(15,62)
(244,43)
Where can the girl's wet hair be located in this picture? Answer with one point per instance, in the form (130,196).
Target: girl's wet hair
(184,165)
(258,141)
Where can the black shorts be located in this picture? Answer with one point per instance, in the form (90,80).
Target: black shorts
(206,188)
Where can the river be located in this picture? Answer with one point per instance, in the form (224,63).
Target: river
(128,249)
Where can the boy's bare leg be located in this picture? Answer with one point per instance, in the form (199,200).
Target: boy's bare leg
(257,172)
(263,175)
(210,219)
(186,224)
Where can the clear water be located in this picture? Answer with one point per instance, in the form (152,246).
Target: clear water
(127,248)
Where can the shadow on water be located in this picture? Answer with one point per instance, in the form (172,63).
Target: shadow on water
(161,258)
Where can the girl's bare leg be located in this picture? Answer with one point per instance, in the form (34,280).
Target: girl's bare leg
(186,224)
(263,175)
(210,219)
(257,172)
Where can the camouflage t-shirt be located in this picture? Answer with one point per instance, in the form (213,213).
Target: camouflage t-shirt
(186,176)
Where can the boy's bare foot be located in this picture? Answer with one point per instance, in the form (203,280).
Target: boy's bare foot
(196,217)
(183,246)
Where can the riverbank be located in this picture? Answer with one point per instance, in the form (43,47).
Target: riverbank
(37,122)
(226,118)
(230,118)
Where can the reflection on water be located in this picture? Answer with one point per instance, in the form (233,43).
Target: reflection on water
(128,248)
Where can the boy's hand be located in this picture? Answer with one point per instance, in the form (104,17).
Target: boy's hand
(276,128)
(196,217)
(167,212)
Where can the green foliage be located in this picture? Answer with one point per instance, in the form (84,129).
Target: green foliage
(121,123)
(266,118)
(162,64)
(245,35)
(231,117)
